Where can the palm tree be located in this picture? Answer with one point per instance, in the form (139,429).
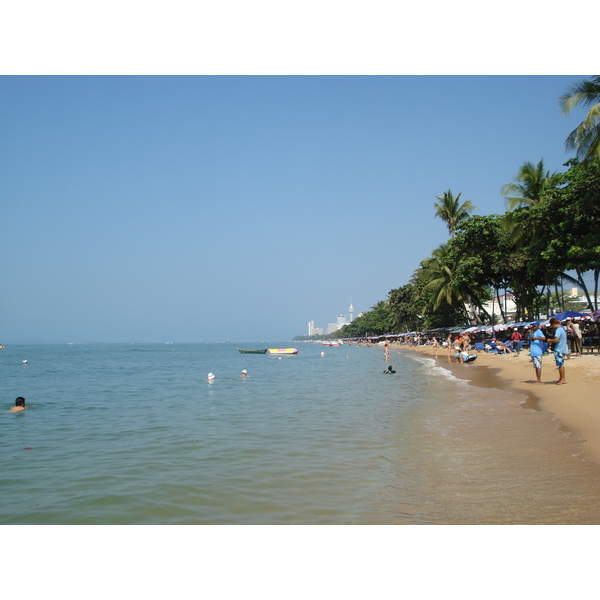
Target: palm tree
(586,137)
(531,182)
(442,281)
(450,211)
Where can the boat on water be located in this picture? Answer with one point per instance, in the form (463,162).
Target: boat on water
(245,351)
(283,351)
(338,343)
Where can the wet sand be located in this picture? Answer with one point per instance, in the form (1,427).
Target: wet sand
(575,405)
(520,453)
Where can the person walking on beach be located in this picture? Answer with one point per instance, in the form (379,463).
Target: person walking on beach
(560,348)
(536,350)
(515,339)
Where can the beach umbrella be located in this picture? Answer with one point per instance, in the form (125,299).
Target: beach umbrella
(569,314)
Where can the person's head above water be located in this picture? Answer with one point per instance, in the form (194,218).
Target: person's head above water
(19,405)
(210,376)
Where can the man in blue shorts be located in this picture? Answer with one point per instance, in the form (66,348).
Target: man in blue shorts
(536,350)
(560,348)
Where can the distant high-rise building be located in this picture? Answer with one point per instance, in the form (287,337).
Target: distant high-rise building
(312,330)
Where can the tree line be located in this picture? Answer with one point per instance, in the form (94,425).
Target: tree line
(549,234)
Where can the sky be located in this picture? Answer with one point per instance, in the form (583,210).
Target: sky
(207,208)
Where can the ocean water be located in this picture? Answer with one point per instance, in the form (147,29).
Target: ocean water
(135,434)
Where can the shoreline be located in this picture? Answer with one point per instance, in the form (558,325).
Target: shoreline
(575,406)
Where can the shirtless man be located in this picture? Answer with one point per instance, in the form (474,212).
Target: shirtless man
(19,405)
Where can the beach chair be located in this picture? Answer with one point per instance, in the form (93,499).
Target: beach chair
(480,347)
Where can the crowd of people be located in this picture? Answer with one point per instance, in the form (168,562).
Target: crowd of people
(562,339)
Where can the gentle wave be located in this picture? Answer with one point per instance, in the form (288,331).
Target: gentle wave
(136,435)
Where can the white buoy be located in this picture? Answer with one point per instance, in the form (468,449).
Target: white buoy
(322,353)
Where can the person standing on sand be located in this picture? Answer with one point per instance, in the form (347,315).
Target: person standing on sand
(560,348)
(435,346)
(576,338)
(536,350)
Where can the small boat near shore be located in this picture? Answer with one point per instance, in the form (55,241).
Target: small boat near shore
(283,351)
(244,351)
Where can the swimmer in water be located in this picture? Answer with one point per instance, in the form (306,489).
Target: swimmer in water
(210,377)
(389,370)
(244,373)
(19,405)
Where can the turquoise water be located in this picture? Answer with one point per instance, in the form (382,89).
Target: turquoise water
(134,434)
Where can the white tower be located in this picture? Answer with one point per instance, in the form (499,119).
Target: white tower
(351,311)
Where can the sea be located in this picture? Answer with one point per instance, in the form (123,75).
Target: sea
(119,434)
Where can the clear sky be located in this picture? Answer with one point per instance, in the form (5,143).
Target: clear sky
(200,208)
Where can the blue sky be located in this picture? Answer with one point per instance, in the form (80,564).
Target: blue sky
(200,208)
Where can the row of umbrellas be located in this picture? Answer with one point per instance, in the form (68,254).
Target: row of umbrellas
(569,314)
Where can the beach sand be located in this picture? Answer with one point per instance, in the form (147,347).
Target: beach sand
(575,406)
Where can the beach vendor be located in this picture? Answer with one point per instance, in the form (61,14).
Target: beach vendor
(536,349)
(560,348)
(19,405)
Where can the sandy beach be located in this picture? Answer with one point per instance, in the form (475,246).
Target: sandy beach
(576,405)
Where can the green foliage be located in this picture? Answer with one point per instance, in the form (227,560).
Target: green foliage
(552,229)
(585,139)
(532,183)
(451,211)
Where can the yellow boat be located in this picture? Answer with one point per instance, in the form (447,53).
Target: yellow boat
(283,351)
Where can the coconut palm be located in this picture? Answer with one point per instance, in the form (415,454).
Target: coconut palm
(442,279)
(531,182)
(451,211)
(586,137)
